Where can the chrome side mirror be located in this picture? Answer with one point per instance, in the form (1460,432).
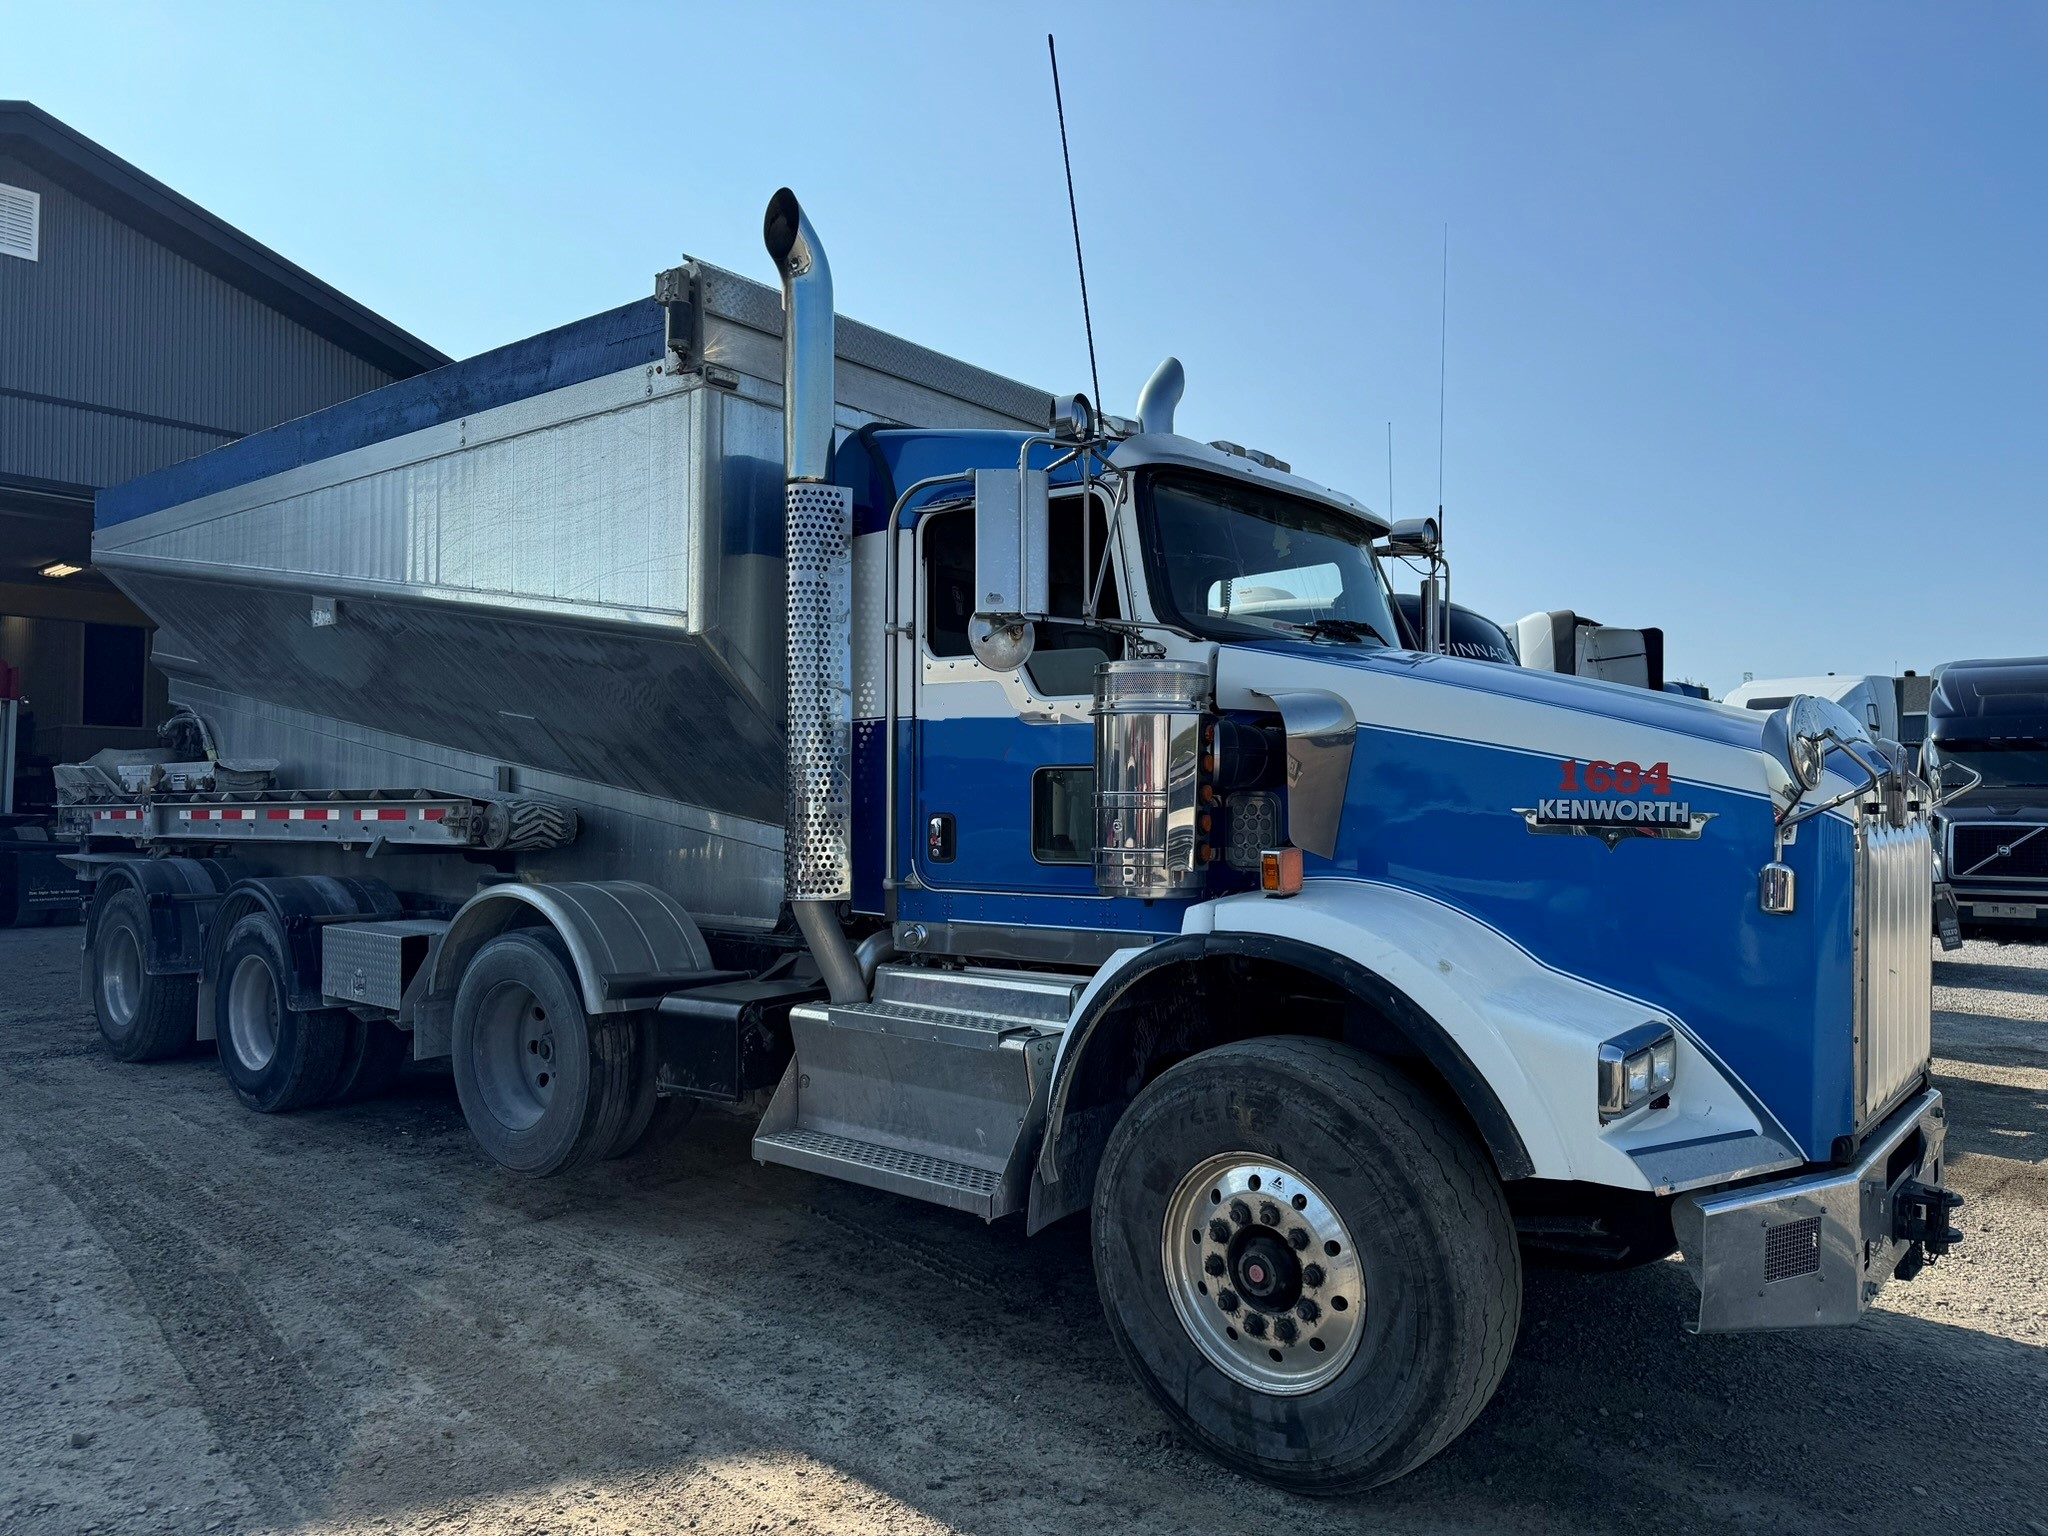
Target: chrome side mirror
(1012,517)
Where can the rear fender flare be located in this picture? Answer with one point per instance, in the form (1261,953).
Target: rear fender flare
(179,895)
(614,929)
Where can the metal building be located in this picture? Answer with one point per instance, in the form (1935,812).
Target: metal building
(136,329)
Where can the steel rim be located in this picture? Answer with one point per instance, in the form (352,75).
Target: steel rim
(252,1013)
(120,976)
(1263,1273)
(514,1056)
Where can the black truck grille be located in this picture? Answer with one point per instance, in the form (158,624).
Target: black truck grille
(1977,844)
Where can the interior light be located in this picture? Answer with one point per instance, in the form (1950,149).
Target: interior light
(59,568)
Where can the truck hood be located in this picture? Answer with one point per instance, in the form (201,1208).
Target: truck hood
(1516,709)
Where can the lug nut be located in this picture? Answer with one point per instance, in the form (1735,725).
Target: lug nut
(1269,1214)
(1213,1265)
(1219,1230)
(1311,1275)
(1240,1213)
(1297,1239)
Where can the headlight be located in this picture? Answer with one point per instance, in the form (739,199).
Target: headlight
(1635,1068)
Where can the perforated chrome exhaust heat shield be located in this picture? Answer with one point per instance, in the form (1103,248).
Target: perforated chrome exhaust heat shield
(818,557)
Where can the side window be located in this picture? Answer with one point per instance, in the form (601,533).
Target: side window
(948,581)
(1063,815)
(1066,655)
(1064,662)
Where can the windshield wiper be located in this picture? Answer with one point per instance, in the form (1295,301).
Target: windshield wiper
(1341,629)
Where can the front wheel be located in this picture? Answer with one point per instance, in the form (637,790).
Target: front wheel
(1308,1264)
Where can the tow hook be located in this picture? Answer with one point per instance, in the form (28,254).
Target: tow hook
(1920,1215)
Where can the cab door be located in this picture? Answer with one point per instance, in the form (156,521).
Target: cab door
(1003,762)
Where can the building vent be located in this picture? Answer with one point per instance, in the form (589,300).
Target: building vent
(21,222)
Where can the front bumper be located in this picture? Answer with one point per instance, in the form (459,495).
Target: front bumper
(1815,1250)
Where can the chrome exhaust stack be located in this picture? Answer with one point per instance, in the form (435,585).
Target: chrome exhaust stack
(818,559)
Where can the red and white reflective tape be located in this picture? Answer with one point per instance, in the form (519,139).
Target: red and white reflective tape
(288,813)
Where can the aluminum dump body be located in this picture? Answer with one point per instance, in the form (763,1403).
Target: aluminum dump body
(556,567)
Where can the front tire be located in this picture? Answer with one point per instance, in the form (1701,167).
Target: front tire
(544,1086)
(1309,1265)
(142,1017)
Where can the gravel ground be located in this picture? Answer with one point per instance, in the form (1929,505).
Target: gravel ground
(348,1321)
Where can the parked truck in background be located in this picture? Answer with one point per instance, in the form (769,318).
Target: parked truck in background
(1987,739)
(1872,700)
(717,701)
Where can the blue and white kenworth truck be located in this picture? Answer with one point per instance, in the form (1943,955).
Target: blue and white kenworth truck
(1028,811)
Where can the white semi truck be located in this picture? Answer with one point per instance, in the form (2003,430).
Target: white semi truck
(1030,811)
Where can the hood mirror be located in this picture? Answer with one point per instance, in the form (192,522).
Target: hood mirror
(1414,536)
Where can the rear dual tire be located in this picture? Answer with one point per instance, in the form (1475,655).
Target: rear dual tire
(275,1058)
(545,1087)
(1219,1310)
(141,1017)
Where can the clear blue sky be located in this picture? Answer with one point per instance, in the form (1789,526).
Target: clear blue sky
(1748,304)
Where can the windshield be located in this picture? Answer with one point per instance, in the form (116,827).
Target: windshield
(2022,765)
(1239,562)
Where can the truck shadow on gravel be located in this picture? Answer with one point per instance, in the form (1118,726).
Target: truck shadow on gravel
(375,1323)
(591,1316)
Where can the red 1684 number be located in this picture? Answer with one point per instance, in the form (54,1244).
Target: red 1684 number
(1615,778)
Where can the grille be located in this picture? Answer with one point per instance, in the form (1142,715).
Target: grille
(1792,1249)
(818,846)
(1975,856)
(1895,963)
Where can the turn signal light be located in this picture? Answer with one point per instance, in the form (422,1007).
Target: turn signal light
(1280,871)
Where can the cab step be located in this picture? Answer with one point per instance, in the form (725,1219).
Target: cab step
(934,1088)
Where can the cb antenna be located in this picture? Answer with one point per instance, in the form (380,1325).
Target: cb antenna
(1087,321)
(1443,335)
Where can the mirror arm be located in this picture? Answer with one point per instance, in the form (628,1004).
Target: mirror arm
(1795,813)
(1957,793)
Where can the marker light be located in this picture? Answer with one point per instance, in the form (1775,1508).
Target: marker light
(1280,871)
(1635,1068)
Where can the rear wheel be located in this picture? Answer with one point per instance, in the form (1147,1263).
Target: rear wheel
(544,1086)
(1308,1264)
(142,1017)
(275,1058)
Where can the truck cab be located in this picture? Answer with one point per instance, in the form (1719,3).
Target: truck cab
(1987,740)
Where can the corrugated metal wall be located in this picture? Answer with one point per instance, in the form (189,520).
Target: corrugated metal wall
(109,318)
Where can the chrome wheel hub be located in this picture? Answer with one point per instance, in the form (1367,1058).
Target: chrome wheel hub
(1263,1274)
(120,976)
(252,1014)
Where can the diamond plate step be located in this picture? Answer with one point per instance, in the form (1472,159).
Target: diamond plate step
(935,1088)
(923,1177)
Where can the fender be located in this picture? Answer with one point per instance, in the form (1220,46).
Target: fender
(1054,1192)
(180,896)
(1515,1040)
(298,904)
(629,943)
